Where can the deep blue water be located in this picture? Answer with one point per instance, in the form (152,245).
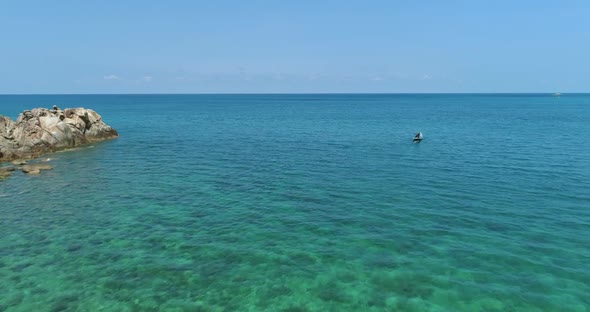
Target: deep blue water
(306,203)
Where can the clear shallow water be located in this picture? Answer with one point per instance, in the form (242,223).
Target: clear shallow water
(306,203)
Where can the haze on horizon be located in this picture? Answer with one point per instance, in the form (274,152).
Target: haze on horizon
(294,47)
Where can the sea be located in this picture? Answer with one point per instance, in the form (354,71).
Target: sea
(306,202)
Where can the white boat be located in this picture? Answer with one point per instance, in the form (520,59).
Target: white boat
(418,137)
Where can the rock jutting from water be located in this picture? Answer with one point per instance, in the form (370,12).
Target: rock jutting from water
(40,130)
(35,168)
(5,172)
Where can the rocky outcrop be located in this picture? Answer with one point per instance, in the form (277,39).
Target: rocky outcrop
(5,172)
(35,168)
(40,130)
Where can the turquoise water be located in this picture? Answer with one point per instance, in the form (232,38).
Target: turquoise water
(306,203)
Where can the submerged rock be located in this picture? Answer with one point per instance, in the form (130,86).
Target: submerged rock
(40,130)
(35,168)
(5,172)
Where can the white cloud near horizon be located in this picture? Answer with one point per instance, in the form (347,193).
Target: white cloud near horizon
(111,77)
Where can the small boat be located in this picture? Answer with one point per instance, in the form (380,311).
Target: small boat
(557,94)
(418,137)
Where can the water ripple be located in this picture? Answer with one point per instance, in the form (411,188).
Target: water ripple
(307,203)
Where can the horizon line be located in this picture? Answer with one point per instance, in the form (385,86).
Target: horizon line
(306,93)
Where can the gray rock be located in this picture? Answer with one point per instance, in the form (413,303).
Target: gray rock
(40,130)
(5,172)
(35,168)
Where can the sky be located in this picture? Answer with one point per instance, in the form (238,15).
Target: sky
(315,46)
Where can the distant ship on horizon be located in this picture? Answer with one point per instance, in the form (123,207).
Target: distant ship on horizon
(556,94)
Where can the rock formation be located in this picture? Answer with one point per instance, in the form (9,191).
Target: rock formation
(5,172)
(35,168)
(41,130)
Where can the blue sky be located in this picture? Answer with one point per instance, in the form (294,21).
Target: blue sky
(244,46)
